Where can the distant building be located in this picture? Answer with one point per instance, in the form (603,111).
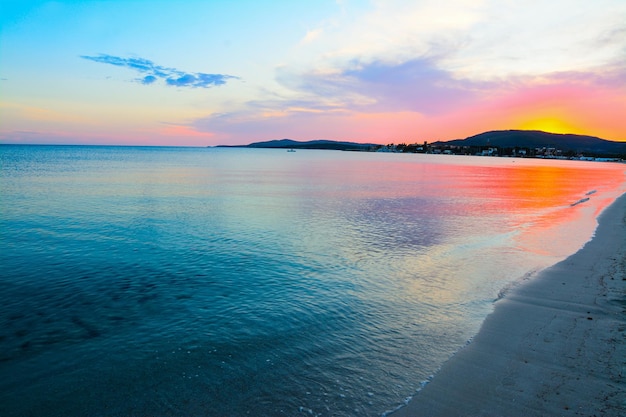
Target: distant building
(489,152)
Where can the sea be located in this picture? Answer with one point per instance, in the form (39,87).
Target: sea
(165,281)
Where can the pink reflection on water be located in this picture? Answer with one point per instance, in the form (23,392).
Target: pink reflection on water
(531,198)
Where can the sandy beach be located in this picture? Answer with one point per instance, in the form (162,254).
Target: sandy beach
(554,346)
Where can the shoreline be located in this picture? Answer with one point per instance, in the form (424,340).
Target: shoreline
(553,346)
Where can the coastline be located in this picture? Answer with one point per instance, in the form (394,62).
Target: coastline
(553,346)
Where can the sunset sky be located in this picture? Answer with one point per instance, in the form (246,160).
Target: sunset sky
(200,73)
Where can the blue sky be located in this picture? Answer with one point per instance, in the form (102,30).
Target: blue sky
(199,73)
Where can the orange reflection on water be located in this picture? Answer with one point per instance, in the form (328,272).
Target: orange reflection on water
(502,218)
(554,202)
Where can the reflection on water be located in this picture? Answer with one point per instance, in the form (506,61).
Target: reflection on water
(164,281)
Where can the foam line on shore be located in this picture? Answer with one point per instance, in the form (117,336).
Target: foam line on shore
(554,346)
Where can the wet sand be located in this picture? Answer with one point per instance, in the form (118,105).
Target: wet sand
(554,346)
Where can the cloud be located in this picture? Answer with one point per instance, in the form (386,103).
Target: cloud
(376,127)
(416,85)
(311,35)
(482,39)
(420,85)
(390,31)
(364,101)
(148,79)
(151,72)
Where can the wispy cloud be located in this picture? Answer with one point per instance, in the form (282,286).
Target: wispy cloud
(152,73)
(482,40)
(417,85)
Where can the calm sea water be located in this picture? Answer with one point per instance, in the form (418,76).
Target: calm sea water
(232,282)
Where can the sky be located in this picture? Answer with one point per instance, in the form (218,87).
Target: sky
(204,73)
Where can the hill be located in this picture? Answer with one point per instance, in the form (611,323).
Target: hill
(539,139)
(312,144)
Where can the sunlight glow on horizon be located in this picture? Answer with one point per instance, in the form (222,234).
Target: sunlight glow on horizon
(549,124)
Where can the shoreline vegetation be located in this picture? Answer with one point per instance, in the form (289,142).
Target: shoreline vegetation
(552,347)
(510,143)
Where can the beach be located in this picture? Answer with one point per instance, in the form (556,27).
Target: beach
(553,346)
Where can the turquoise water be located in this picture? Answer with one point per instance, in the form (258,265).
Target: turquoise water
(231,282)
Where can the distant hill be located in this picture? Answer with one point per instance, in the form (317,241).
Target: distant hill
(588,145)
(539,139)
(312,144)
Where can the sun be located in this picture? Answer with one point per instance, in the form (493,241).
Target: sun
(548,124)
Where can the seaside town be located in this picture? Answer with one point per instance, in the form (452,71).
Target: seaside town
(494,151)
